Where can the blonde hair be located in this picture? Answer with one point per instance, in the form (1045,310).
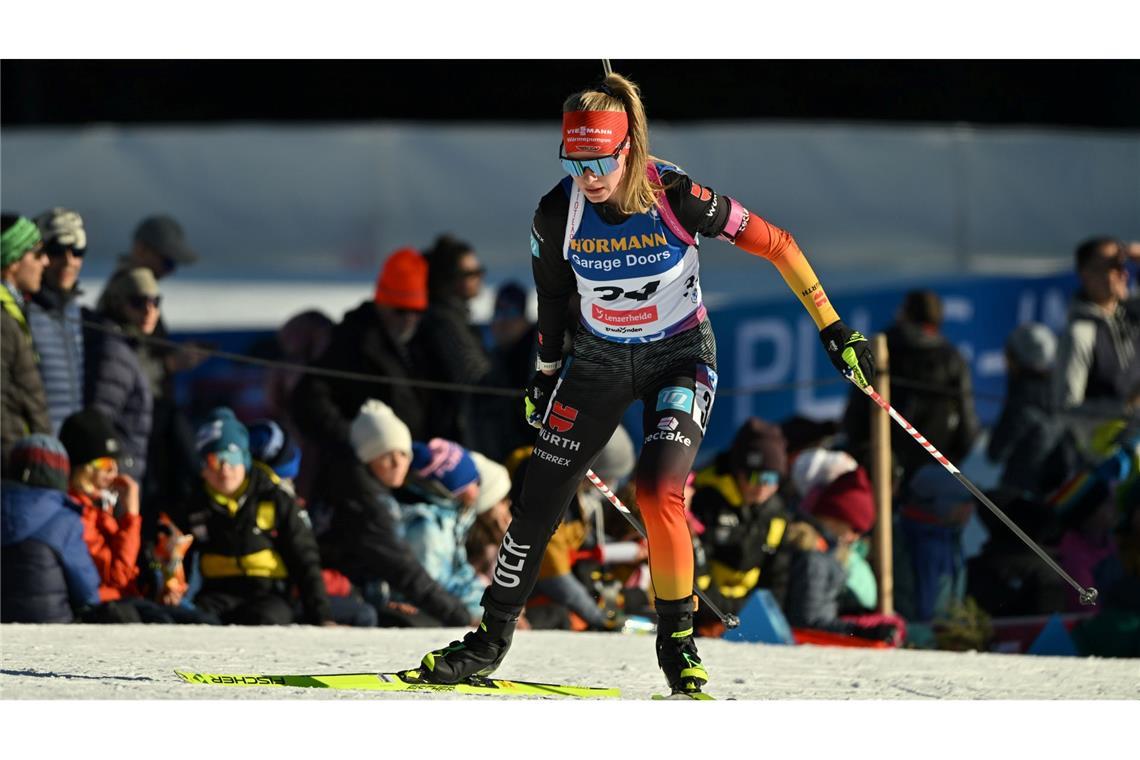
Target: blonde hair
(636,194)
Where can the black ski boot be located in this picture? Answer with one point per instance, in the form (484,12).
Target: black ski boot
(676,650)
(479,653)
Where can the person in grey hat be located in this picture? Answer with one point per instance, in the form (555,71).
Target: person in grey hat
(55,316)
(159,244)
(1030,441)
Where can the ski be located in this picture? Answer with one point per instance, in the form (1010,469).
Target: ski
(403,681)
(697,695)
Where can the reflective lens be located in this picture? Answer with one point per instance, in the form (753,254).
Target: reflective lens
(215,459)
(104,464)
(599,166)
(766,478)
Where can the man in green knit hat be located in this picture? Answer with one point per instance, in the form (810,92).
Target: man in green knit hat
(23,406)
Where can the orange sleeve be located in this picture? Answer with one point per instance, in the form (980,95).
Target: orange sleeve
(124,540)
(761,238)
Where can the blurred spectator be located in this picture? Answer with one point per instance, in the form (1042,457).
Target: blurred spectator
(363,541)
(159,244)
(1032,443)
(47,574)
(24,405)
(831,481)
(930,386)
(1097,368)
(449,347)
(1088,550)
(437,509)
(1113,631)
(501,426)
(818,547)
(115,383)
(738,502)
(111,522)
(805,433)
(930,568)
(251,537)
(301,340)
(372,339)
(55,317)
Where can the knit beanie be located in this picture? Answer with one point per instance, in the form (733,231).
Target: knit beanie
(270,444)
(510,301)
(445,464)
(617,459)
(222,432)
(403,281)
(377,430)
(848,498)
(40,461)
(88,435)
(17,240)
(494,482)
(758,446)
(818,467)
(1033,346)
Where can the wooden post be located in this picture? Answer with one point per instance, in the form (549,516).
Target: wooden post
(882,537)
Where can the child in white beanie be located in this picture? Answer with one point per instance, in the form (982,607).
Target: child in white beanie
(383,442)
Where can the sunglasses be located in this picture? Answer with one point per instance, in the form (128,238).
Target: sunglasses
(104,464)
(764,478)
(473,272)
(57,251)
(215,459)
(141,302)
(600,166)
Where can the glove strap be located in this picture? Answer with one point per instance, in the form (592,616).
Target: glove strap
(542,366)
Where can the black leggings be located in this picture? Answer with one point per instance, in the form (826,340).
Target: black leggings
(675,378)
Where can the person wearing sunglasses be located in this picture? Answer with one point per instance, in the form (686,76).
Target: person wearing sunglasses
(737,499)
(1098,352)
(621,232)
(23,404)
(251,539)
(55,316)
(115,382)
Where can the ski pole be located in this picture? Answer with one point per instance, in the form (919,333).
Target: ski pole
(729,620)
(1087,596)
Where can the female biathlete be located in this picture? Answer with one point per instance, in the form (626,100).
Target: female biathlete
(622,230)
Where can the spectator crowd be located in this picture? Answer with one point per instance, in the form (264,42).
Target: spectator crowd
(377,490)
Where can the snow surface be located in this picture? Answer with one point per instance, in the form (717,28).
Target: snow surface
(137,662)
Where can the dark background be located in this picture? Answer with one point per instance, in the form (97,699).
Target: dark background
(1059,93)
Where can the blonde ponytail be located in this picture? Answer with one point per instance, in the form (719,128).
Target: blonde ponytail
(636,194)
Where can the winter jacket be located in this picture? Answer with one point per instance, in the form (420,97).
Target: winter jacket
(256,542)
(450,351)
(741,541)
(436,532)
(23,407)
(1034,446)
(363,540)
(499,425)
(946,417)
(56,322)
(116,385)
(114,546)
(47,572)
(1097,365)
(323,407)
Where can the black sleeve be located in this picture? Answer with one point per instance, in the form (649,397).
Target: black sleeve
(553,276)
(303,559)
(699,209)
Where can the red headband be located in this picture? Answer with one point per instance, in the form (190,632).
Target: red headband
(598,132)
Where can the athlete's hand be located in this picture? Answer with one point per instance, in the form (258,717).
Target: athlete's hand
(538,393)
(849,352)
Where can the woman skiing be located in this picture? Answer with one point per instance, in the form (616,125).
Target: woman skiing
(621,229)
